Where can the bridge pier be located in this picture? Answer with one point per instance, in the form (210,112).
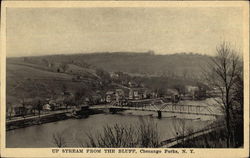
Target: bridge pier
(159,114)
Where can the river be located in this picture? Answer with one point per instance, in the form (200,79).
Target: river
(74,130)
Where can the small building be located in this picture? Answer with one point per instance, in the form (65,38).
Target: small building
(47,107)
(30,109)
(167,98)
(54,104)
(214,92)
(19,111)
(190,92)
(153,95)
(138,93)
(110,96)
(120,96)
(174,94)
(132,84)
(191,89)
(96,99)
(114,75)
(58,102)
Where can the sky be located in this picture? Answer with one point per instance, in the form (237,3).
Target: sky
(46,31)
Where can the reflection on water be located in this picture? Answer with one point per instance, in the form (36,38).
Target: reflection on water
(74,130)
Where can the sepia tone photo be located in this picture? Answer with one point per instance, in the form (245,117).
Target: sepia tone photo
(124,77)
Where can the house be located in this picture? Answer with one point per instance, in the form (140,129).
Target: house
(138,93)
(110,96)
(58,101)
(194,92)
(120,92)
(114,75)
(30,109)
(54,104)
(174,94)
(19,111)
(47,107)
(191,89)
(132,84)
(120,96)
(96,99)
(215,92)
(153,95)
(171,92)
(167,98)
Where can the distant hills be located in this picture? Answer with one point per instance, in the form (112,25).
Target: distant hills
(46,75)
(134,63)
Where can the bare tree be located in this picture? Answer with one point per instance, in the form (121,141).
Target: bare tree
(38,106)
(113,136)
(148,134)
(23,110)
(145,134)
(180,88)
(10,110)
(181,130)
(58,139)
(222,74)
(64,66)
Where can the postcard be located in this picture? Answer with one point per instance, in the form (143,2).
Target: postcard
(124,79)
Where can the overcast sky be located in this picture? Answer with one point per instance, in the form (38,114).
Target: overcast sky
(43,31)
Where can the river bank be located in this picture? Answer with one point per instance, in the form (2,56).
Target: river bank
(46,118)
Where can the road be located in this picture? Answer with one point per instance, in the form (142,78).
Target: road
(37,116)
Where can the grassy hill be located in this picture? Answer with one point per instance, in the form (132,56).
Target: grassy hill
(45,76)
(134,63)
(27,80)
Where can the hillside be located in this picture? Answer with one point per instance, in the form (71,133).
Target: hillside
(134,63)
(26,80)
(48,76)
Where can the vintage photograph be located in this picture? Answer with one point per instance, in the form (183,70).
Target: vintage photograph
(124,77)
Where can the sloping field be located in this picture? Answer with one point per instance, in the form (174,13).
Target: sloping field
(29,80)
(77,70)
(21,71)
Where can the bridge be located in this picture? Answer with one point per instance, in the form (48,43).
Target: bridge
(163,107)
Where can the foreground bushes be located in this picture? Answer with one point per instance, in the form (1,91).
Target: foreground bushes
(143,134)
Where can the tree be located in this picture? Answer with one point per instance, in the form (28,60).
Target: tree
(58,139)
(64,66)
(238,92)
(104,76)
(69,101)
(23,110)
(10,110)
(39,107)
(148,134)
(180,130)
(143,134)
(180,88)
(237,113)
(222,74)
(79,96)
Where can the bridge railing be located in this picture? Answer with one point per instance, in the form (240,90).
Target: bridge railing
(167,107)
